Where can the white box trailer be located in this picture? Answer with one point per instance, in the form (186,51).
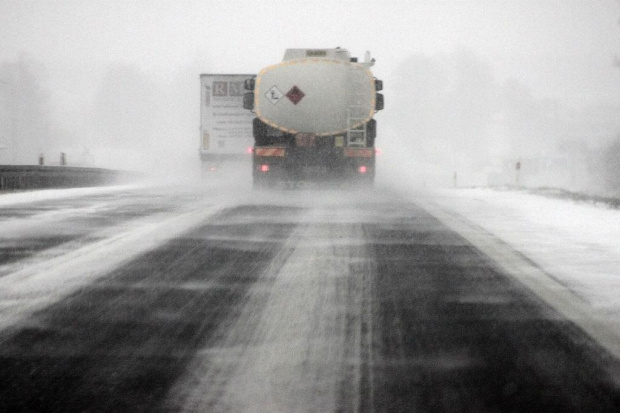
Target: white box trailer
(225,127)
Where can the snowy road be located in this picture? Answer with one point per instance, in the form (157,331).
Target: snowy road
(149,299)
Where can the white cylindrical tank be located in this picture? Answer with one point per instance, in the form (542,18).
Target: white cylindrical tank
(322,96)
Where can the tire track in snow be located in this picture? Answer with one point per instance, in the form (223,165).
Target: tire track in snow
(290,349)
(39,285)
(121,342)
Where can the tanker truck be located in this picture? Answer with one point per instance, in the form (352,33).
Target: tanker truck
(314,118)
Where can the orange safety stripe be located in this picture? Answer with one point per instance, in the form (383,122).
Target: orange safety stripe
(269,151)
(359,152)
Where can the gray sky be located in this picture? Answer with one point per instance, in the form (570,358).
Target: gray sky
(562,51)
(560,48)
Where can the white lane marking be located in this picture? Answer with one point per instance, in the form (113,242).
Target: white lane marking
(569,305)
(38,285)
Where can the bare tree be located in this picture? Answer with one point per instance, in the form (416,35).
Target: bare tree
(25,125)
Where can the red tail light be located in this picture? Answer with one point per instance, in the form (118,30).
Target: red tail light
(264,168)
(363,169)
(378,151)
(249,149)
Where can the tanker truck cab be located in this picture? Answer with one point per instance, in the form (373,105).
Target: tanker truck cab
(314,118)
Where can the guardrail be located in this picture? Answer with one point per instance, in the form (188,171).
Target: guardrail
(34,177)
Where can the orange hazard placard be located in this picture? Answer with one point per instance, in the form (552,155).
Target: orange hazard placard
(359,153)
(269,151)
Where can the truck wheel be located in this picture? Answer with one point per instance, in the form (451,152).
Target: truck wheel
(259,130)
(371,132)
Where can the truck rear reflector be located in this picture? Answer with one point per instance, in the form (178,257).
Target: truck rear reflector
(359,152)
(269,151)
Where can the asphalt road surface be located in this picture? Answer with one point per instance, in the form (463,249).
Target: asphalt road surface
(280,301)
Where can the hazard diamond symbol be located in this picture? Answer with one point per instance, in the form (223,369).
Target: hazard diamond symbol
(273,95)
(295,95)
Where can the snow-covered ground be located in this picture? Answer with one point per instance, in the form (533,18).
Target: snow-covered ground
(11,198)
(49,276)
(578,244)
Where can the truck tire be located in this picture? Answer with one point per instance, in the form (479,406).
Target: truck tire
(371,132)
(259,130)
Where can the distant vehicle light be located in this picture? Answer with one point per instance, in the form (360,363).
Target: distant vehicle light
(213,169)
(378,151)
(363,169)
(264,168)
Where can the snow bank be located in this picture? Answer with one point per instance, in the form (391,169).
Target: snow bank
(12,198)
(576,243)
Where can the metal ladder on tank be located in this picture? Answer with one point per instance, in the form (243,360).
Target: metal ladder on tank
(356,136)
(355,115)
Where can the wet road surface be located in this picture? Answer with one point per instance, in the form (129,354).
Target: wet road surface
(286,301)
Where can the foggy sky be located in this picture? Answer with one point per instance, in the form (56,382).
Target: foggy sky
(560,48)
(559,53)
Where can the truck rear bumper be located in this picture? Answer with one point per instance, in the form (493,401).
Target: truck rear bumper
(318,166)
